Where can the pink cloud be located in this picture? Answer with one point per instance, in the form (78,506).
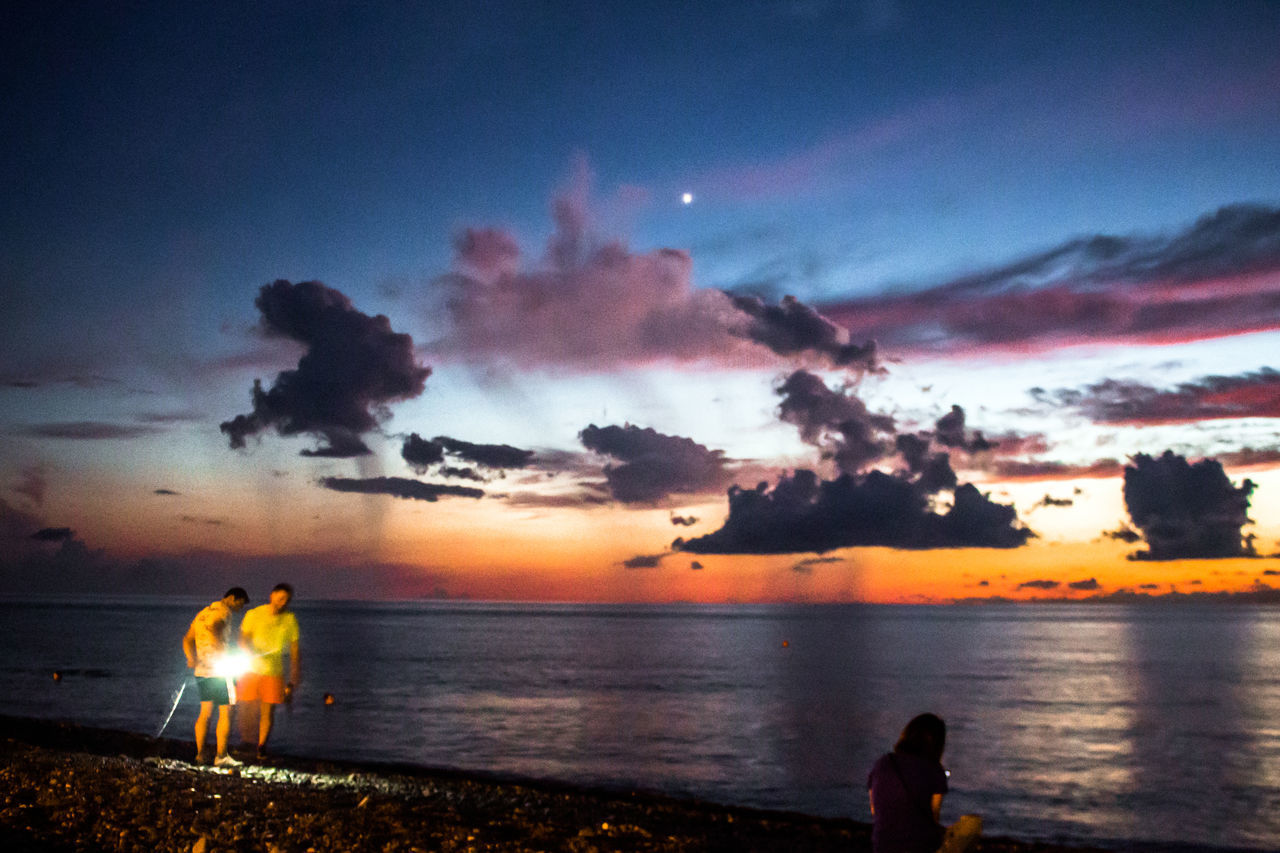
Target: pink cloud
(1219,277)
(592,304)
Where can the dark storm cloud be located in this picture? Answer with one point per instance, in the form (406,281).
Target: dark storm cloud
(645,561)
(654,465)
(1213,279)
(496,456)
(461,473)
(837,423)
(89,431)
(420,453)
(353,367)
(1186,510)
(1039,585)
(863,506)
(399,487)
(793,328)
(803,513)
(1248,395)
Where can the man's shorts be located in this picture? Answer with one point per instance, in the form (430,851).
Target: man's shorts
(269,688)
(213,690)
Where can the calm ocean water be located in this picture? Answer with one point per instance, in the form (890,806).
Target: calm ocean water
(1069,723)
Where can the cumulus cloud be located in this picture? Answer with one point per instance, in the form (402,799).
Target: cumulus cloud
(353,367)
(1216,278)
(653,465)
(862,506)
(399,487)
(1186,510)
(838,423)
(1112,401)
(803,513)
(593,304)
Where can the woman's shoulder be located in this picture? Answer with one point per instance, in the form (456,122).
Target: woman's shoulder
(882,763)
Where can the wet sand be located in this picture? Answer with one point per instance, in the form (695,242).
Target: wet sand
(65,787)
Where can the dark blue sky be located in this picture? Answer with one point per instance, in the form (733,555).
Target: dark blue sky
(162,162)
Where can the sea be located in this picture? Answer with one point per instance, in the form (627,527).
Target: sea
(1137,727)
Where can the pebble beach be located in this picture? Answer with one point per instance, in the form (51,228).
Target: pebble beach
(65,787)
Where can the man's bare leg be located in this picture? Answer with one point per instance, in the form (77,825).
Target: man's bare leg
(202,728)
(265,712)
(223,731)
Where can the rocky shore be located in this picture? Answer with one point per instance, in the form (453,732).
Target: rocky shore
(70,788)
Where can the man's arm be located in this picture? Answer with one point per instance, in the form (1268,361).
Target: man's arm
(295,664)
(189,647)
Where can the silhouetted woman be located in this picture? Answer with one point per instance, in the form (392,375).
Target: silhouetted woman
(906,788)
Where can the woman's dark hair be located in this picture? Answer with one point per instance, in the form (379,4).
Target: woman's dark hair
(925,735)
(238,594)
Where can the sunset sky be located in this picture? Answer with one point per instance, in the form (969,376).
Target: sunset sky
(741,301)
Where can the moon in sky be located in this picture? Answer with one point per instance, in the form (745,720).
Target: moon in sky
(686,198)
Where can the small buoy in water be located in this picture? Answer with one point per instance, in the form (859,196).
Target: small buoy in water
(328,699)
(57,676)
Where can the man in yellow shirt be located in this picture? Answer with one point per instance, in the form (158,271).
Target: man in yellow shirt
(205,643)
(266,633)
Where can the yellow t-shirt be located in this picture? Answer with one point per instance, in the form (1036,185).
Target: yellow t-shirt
(270,635)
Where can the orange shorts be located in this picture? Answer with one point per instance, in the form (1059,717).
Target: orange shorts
(269,688)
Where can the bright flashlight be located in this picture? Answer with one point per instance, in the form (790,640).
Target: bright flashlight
(232,664)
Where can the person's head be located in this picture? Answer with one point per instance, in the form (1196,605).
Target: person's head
(235,598)
(281,595)
(925,735)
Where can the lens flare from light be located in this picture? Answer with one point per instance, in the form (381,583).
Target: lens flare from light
(232,664)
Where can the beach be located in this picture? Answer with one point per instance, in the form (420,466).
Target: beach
(66,787)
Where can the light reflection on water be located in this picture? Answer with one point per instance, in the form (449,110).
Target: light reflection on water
(1066,722)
